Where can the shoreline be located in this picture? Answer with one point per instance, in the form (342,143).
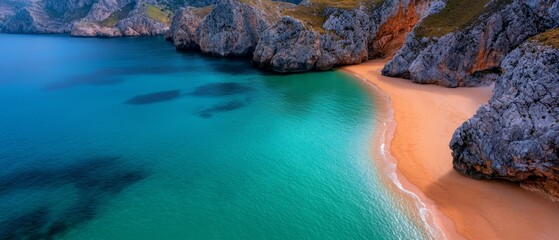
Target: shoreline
(418,122)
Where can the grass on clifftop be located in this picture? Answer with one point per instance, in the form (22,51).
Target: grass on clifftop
(549,38)
(157,14)
(116,16)
(314,14)
(457,15)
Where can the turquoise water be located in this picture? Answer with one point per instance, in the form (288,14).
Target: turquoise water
(130,139)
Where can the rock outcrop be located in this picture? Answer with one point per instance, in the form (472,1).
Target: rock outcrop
(290,38)
(349,36)
(230,28)
(516,135)
(93,18)
(471,54)
(183,29)
(288,47)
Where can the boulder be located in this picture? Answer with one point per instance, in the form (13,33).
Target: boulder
(516,135)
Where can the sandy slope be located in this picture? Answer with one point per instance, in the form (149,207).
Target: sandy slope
(426,117)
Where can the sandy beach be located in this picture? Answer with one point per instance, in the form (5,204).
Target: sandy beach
(425,117)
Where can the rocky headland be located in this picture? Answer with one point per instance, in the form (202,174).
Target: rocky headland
(313,35)
(516,135)
(465,42)
(92,18)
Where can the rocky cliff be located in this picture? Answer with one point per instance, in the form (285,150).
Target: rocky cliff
(464,43)
(99,18)
(295,38)
(516,135)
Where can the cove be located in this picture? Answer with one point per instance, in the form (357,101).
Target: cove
(129,139)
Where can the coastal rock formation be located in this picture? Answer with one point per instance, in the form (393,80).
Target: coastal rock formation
(288,47)
(469,50)
(183,29)
(92,18)
(348,36)
(298,38)
(230,28)
(9,8)
(516,135)
(395,20)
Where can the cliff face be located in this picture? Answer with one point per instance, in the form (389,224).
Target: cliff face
(289,38)
(94,18)
(349,36)
(470,53)
(516,135)
(230,28)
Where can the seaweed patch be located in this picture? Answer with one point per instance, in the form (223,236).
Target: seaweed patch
(154,97)
(96,180)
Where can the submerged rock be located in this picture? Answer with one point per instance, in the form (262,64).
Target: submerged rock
(470,55)
(516,135)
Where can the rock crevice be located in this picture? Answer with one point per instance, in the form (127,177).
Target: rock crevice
(516,135)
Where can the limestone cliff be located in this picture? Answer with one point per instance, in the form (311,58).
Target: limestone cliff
(93,18)
(516,135)
(464,44)
(229,28)
(295,38)
(347,36)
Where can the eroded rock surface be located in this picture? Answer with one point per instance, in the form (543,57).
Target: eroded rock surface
(350,36)
(516,135)
(92,18)
(230,28)
(471,56)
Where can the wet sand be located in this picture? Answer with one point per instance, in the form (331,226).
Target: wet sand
(424,119)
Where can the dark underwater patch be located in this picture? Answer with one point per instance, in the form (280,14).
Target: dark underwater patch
(109,76)
(97,181)
(234,68)
(221,107)
(220,89)
(154,97)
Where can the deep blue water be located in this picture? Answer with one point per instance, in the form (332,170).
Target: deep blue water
(129,139)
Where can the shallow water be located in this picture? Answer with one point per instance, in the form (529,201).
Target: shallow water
(129,139)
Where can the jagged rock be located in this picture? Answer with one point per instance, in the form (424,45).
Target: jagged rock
(350,36)
(288,46)
(394,20)
(516,135)
(33,19)
(8,8)
(89,29)
(183,28)
(231,29)
(471,56)
(93,18)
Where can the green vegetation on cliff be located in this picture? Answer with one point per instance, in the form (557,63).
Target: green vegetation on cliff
(116,16)
(457,15)
(157,14)
(314,15)
(549,38)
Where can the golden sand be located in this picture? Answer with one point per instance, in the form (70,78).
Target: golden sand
(425,117)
